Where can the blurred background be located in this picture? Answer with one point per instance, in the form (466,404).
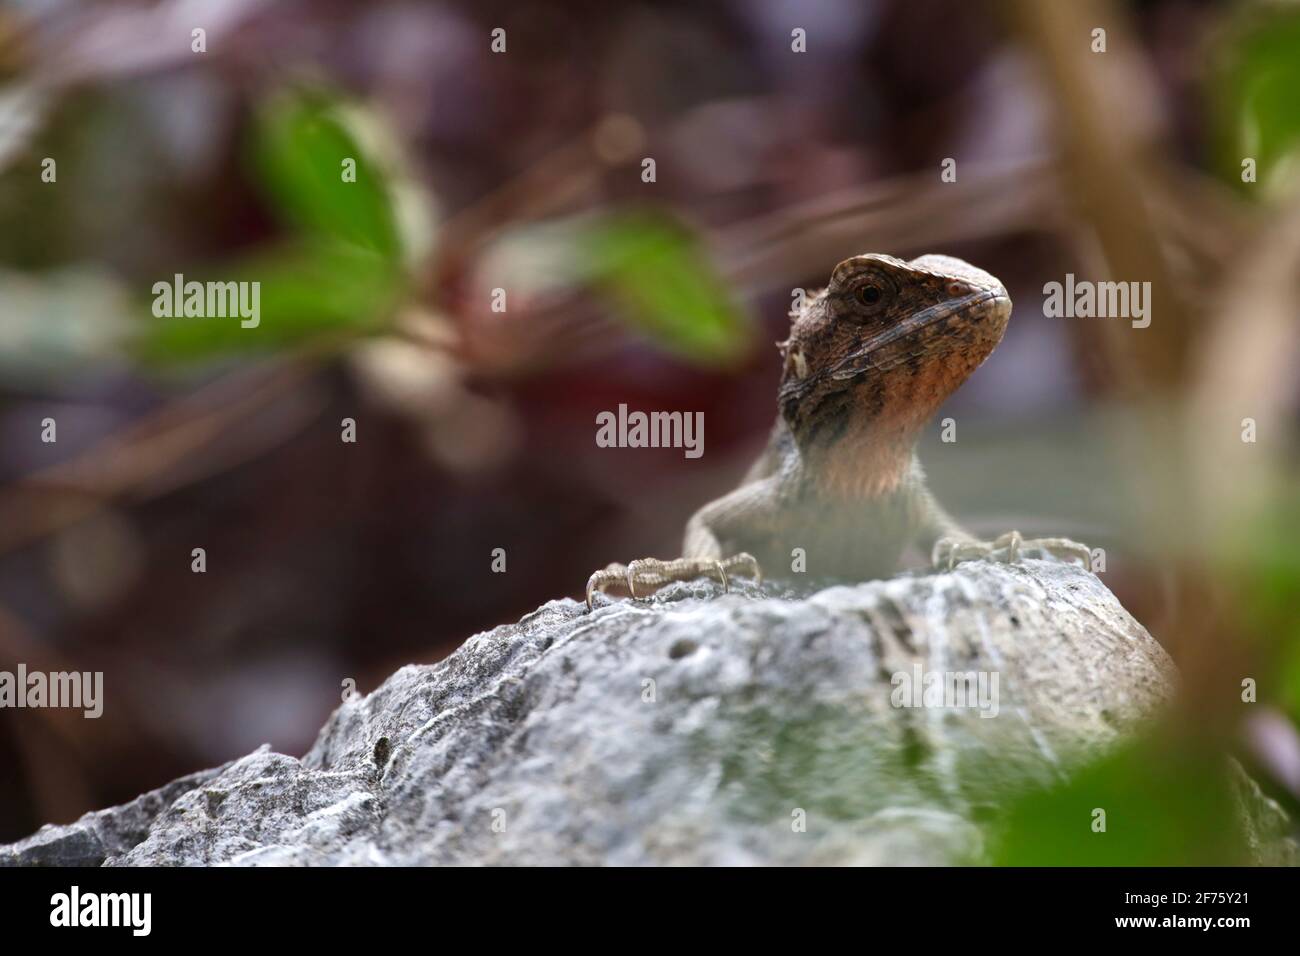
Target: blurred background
(523,171)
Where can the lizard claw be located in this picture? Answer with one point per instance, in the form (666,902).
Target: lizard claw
(722,575)
(948,552)
(645,576)
(600,580)
(746,564)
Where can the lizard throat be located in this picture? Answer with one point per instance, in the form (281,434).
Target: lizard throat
(867,451)
(864,467)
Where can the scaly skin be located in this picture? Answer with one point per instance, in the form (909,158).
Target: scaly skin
(868,362)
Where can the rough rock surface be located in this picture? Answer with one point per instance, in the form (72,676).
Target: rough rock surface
(696,728)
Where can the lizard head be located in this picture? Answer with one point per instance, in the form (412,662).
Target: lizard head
(871,358)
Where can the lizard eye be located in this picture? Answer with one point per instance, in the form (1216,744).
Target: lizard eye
(872,295)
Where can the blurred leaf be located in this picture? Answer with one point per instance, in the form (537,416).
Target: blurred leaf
(301,145)
(345,274)
(22,109)
(1165,805)
(306,291)
(1265,563)
(58,323)
(659,278)
(1255,95)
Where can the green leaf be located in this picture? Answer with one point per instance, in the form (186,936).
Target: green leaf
(1264,564)
(1254,92)
(344,273)
(300,148)
(305,291)
(657,276)
(1165,804)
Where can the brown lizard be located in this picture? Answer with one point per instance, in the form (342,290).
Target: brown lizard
(868,361)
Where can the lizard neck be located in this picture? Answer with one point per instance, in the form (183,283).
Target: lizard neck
(867,447)
(868,461)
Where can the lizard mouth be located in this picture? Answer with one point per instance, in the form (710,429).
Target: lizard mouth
(874,353)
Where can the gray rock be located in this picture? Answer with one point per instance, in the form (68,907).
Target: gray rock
(696,728)
(103,833)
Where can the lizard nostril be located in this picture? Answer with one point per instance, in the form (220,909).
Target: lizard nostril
(956,288)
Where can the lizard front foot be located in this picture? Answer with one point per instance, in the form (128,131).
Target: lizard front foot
(949,552)
(642,578)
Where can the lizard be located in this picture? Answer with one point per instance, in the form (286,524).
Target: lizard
(868,361)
